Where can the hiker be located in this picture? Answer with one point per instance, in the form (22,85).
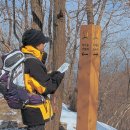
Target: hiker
(37,80)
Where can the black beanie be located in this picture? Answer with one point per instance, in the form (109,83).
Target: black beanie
(34,37)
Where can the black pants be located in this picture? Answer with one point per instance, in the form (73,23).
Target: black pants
(39,127)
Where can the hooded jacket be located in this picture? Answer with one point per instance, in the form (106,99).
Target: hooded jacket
(39,82)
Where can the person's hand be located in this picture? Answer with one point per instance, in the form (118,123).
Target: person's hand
(57,76)
(52,74)
(60,76)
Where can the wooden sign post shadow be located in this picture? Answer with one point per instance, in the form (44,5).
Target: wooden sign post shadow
(88,77)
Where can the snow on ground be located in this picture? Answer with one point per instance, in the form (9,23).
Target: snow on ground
(102,126)
(70,117)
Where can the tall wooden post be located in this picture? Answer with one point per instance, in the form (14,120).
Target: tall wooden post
(88,77)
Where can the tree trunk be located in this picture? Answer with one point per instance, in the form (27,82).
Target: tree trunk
(14,24)
(101,12)
(89,9)
(26,14)
(59,50)
(50,57)
(37,13)
(73,101)
(10,22)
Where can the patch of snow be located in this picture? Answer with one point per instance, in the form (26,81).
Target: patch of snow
(103,126)
(70,118)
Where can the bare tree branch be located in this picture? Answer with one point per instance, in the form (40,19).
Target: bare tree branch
(14,25)
(26,14)
(89,9)
(127,67)
(10,22)
(101,12)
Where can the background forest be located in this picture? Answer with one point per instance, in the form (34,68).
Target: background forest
(61,21)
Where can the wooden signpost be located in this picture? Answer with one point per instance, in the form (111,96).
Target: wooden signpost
(88,77)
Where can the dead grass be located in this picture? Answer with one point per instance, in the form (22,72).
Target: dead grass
(8,114)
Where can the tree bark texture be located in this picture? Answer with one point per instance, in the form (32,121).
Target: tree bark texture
(37,13)
(26,14)
(101,12)
(10,22)
(89,9)
(14,24)
(59,50)
(50,61)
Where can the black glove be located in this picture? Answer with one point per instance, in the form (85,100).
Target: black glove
(54,73)
(57,77)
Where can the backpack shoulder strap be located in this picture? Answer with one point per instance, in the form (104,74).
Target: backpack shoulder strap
(29,56)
